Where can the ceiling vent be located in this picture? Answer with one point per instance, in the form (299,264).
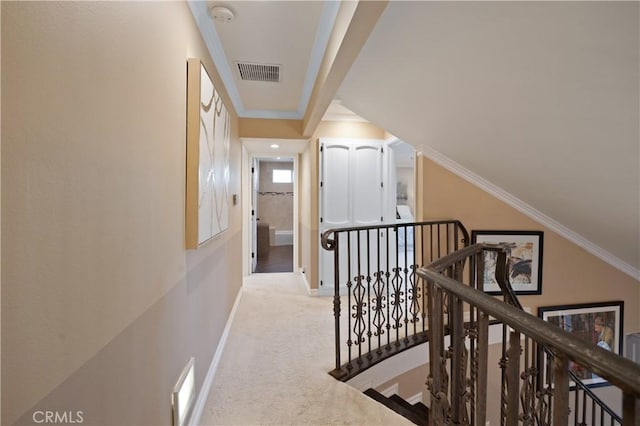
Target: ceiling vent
(259,72)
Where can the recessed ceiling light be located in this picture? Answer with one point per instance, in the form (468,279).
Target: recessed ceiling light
(275,145)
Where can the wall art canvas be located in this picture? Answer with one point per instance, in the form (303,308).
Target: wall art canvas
(208,143)
(525,261)
(598,323)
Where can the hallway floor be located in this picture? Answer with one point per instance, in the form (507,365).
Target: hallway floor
(280,260)
(274,369)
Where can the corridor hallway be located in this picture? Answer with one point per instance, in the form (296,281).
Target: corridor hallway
(274,368)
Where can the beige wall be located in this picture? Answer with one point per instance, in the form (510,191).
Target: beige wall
(308,213)
(101,304)
(570,274)
(270,129)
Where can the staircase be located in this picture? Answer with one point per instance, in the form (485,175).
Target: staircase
(386,303)
(417,413)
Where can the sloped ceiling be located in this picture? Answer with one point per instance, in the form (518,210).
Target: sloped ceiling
(541,99)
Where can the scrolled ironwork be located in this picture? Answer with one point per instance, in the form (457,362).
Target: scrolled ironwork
(359,312)
(397,299)
(528,399)
(378,304)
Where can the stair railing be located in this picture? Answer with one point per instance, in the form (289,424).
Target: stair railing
(379,301)
(458,328)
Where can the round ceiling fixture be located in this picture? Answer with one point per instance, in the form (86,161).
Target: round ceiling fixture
(221,14)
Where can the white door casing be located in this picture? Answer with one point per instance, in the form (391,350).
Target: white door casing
(255,182)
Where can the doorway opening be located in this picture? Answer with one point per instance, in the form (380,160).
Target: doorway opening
(274,208)
(254,150)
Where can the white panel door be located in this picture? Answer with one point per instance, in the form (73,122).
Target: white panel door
(335,201)
(351,194)
(366,191)
(335,182)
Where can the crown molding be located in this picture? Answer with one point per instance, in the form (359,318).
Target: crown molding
(200,12)
(528,210)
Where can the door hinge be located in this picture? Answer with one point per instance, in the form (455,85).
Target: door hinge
(381,184)
(321,184)
(382,150)
(253,212)
(253,255)
(321,148)
(320,220)
(321,283)
(381,219)
(253,170)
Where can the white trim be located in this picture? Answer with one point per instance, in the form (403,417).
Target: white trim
(203,395)
(527,210)
(323,34)
(312,292)
(390,391)
(245,191)
(415,398)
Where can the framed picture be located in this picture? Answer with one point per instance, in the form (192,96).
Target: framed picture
(598,323)
(525,261)
(208,141)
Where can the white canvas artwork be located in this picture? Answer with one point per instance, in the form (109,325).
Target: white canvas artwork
(213,168)
(208,144)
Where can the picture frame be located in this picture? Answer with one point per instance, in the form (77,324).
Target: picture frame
(600,323)
(207,162)
(525,262)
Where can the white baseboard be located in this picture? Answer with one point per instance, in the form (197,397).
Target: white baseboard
(203,395)
(415,398)
(312,292)
(391,390)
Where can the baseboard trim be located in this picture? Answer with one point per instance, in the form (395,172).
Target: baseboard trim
(391,390)
(415,398)
(528,210)
(312,292)
(203,395)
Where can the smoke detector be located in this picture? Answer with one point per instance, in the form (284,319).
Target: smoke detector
(221,14)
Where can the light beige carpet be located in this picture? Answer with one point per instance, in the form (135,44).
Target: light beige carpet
(274,369)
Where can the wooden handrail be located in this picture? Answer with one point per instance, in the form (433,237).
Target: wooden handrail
(618,370)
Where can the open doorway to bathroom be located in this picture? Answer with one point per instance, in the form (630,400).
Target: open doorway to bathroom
(274,212)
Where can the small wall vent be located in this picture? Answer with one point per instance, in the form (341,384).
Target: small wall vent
(259,72)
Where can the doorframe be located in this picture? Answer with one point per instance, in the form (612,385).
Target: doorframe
(260,149)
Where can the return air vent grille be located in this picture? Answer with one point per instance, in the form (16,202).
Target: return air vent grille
(259,72)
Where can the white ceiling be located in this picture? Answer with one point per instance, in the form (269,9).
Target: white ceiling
(540,99)
(291,34)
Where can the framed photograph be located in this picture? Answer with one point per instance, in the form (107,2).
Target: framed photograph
(598,323)
(525,262)
(208,142)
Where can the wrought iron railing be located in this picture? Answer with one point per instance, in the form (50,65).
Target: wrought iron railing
(379,301)
(459,316)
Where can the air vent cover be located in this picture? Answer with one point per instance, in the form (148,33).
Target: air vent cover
(259,72)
